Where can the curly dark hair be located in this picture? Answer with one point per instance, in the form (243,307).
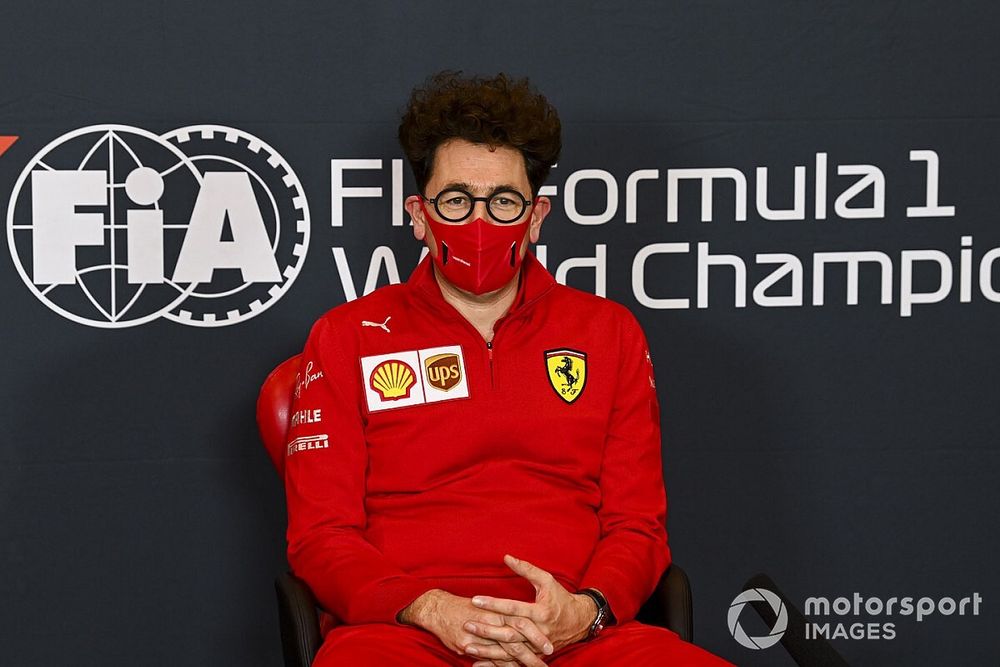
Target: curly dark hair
(496,111)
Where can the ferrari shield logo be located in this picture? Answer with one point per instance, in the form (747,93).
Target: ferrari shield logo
(567,372)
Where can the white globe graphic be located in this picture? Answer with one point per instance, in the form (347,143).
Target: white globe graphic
(161,174)
(101,295)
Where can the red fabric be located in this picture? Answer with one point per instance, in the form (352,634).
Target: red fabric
(402,500)
(632,644)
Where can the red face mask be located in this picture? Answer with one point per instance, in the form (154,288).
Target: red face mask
(477,256)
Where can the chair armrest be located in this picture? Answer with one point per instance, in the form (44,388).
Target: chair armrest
(299,622)
(670,604)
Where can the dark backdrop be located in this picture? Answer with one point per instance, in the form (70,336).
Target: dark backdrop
(839,448)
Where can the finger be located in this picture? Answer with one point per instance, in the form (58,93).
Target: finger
(504,633)
(536,575)
(504,606)
(522,653)
(494,663)
(532,634)
(517,629)
(487,651)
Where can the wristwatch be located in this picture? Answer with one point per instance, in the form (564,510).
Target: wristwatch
(604,615)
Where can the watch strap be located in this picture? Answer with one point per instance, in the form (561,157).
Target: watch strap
(604,616)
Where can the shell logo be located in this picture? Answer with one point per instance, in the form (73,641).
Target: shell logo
(392,380)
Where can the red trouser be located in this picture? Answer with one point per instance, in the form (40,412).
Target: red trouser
(632,643)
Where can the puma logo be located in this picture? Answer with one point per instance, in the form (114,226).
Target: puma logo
(366,323)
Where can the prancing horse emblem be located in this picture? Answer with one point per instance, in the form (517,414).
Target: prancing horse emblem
(567,371)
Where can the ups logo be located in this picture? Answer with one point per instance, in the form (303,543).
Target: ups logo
(444,371)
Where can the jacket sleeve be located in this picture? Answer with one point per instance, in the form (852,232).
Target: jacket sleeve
(632,553)
(325,462)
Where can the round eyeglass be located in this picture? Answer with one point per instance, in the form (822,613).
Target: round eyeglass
(505,206)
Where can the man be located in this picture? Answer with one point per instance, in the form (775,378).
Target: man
(473,470)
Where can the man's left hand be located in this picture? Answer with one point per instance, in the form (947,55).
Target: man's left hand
(561,616)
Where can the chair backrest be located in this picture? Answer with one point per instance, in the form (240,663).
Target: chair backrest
(274,406)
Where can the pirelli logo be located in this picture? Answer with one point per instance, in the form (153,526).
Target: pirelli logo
(308,442)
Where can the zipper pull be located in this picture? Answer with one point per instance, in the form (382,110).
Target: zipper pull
(489,349)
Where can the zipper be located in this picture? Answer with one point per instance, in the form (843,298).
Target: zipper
(444,306)
(489,352)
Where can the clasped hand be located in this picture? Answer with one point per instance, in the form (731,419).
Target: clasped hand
(519,631)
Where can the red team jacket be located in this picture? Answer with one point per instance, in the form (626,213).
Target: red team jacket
(419,454)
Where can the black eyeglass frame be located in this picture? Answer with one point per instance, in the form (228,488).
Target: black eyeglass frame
(437,209)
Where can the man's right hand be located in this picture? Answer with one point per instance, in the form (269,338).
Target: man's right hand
(445,615)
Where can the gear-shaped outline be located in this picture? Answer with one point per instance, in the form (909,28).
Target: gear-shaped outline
(302,224)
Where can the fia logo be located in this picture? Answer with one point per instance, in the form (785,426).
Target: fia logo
(114,226)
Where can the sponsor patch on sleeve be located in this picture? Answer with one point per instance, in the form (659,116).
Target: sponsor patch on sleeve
(308,442)
(306,376)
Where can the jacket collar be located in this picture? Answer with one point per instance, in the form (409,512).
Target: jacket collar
(535,282)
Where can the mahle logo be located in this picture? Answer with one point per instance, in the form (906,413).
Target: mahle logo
(113,226)
(777,606)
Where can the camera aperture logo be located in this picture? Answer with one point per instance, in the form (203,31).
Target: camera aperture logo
(780,623)
(113,226)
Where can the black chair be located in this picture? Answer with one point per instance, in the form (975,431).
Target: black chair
(668,607)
